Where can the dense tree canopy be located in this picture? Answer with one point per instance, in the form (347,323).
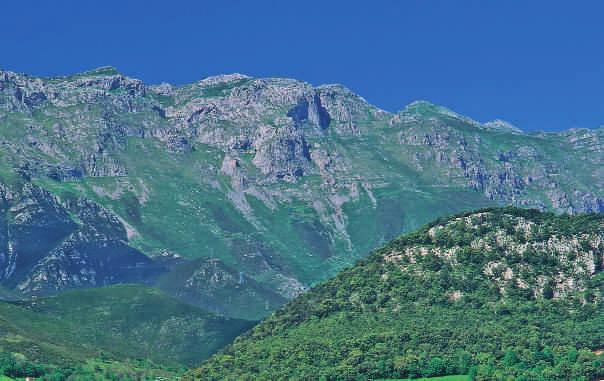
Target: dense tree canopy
(499,294)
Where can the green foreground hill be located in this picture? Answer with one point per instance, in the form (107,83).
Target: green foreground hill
(497,294)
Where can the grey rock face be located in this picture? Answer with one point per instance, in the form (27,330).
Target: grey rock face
(282,153)
(45,250)
(33,223)
(28,92)
(508,175)
(311,111)
(346,109)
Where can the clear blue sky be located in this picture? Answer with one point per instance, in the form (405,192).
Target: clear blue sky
(537,64)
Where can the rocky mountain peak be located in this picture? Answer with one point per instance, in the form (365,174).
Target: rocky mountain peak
(502,125)
(223,79)
(427,109)
(337,90)
(101,71)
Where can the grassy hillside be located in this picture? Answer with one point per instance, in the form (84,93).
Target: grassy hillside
(114,323)
(214,286)
(494,294)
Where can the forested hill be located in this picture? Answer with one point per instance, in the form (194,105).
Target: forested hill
(497,294)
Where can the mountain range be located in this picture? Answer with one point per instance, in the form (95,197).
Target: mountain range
(236,193)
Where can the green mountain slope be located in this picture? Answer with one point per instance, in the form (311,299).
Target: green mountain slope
(118,323)
(281,181)
(498,294)
(218,287)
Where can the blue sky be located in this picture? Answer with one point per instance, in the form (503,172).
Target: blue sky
(537,64)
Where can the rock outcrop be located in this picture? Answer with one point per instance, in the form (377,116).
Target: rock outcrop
(48,244)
